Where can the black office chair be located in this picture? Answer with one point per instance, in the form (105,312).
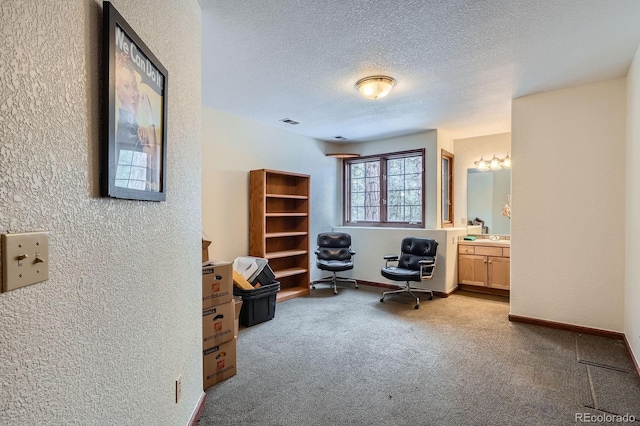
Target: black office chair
(334,254)
(416,263)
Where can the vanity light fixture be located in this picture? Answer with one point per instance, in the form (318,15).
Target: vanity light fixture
(481,164)
(375,87)
(495,163)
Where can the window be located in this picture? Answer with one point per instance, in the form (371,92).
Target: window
(447,189)
(385,190)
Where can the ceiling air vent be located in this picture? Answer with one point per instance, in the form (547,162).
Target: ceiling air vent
(289,121)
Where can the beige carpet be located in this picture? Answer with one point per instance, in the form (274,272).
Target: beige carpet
(350,360)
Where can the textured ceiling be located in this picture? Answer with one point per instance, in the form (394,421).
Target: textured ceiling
(458,64)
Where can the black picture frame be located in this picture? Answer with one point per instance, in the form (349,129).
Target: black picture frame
(134,147)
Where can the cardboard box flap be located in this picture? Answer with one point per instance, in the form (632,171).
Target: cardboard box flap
(205,241)
(205,247)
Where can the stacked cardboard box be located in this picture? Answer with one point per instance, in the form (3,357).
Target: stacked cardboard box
(218,322)
(237,301)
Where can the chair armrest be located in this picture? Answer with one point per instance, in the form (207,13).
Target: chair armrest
(389,258)
(352,253)
(317,252)
(427,265)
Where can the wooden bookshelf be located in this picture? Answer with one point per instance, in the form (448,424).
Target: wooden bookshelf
(279,227)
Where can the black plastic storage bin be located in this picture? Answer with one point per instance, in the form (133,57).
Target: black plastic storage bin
(258,305)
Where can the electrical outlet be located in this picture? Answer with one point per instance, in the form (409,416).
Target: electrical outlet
(178,388)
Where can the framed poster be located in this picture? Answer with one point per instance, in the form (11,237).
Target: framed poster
(134,113)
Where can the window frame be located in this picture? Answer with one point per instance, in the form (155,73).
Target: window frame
(449,156)
(383,158)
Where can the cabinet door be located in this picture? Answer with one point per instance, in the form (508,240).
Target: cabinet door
(499,272)
(472,269)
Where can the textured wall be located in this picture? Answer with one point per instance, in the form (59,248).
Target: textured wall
(232,146)
(568,180)
(632,288)
(102,341)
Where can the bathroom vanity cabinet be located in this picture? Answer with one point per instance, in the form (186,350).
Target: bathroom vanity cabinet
(484,264)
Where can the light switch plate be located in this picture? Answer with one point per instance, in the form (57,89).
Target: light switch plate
(25,259)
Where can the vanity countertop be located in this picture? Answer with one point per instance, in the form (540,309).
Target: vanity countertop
(486,242)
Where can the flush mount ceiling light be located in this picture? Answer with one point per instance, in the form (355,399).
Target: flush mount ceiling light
(343,155)
(375,87)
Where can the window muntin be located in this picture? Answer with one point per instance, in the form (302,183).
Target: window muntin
(385,189)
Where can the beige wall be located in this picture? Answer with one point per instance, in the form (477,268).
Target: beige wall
(467,152)
(568,180)
(103,340)
(232,146)
(632,279)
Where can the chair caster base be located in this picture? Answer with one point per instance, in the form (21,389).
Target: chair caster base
(332,280)
(408,290)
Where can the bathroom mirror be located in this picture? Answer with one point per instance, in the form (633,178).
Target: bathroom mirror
(487,193)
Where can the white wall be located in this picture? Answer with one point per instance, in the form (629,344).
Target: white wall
(377,242)
(372,244)
(568,180)
(427,140)
(632,278)
(467,151)
(103,340)
(231,147)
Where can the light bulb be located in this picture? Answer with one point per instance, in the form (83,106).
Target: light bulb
(482,165)
(495,164)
